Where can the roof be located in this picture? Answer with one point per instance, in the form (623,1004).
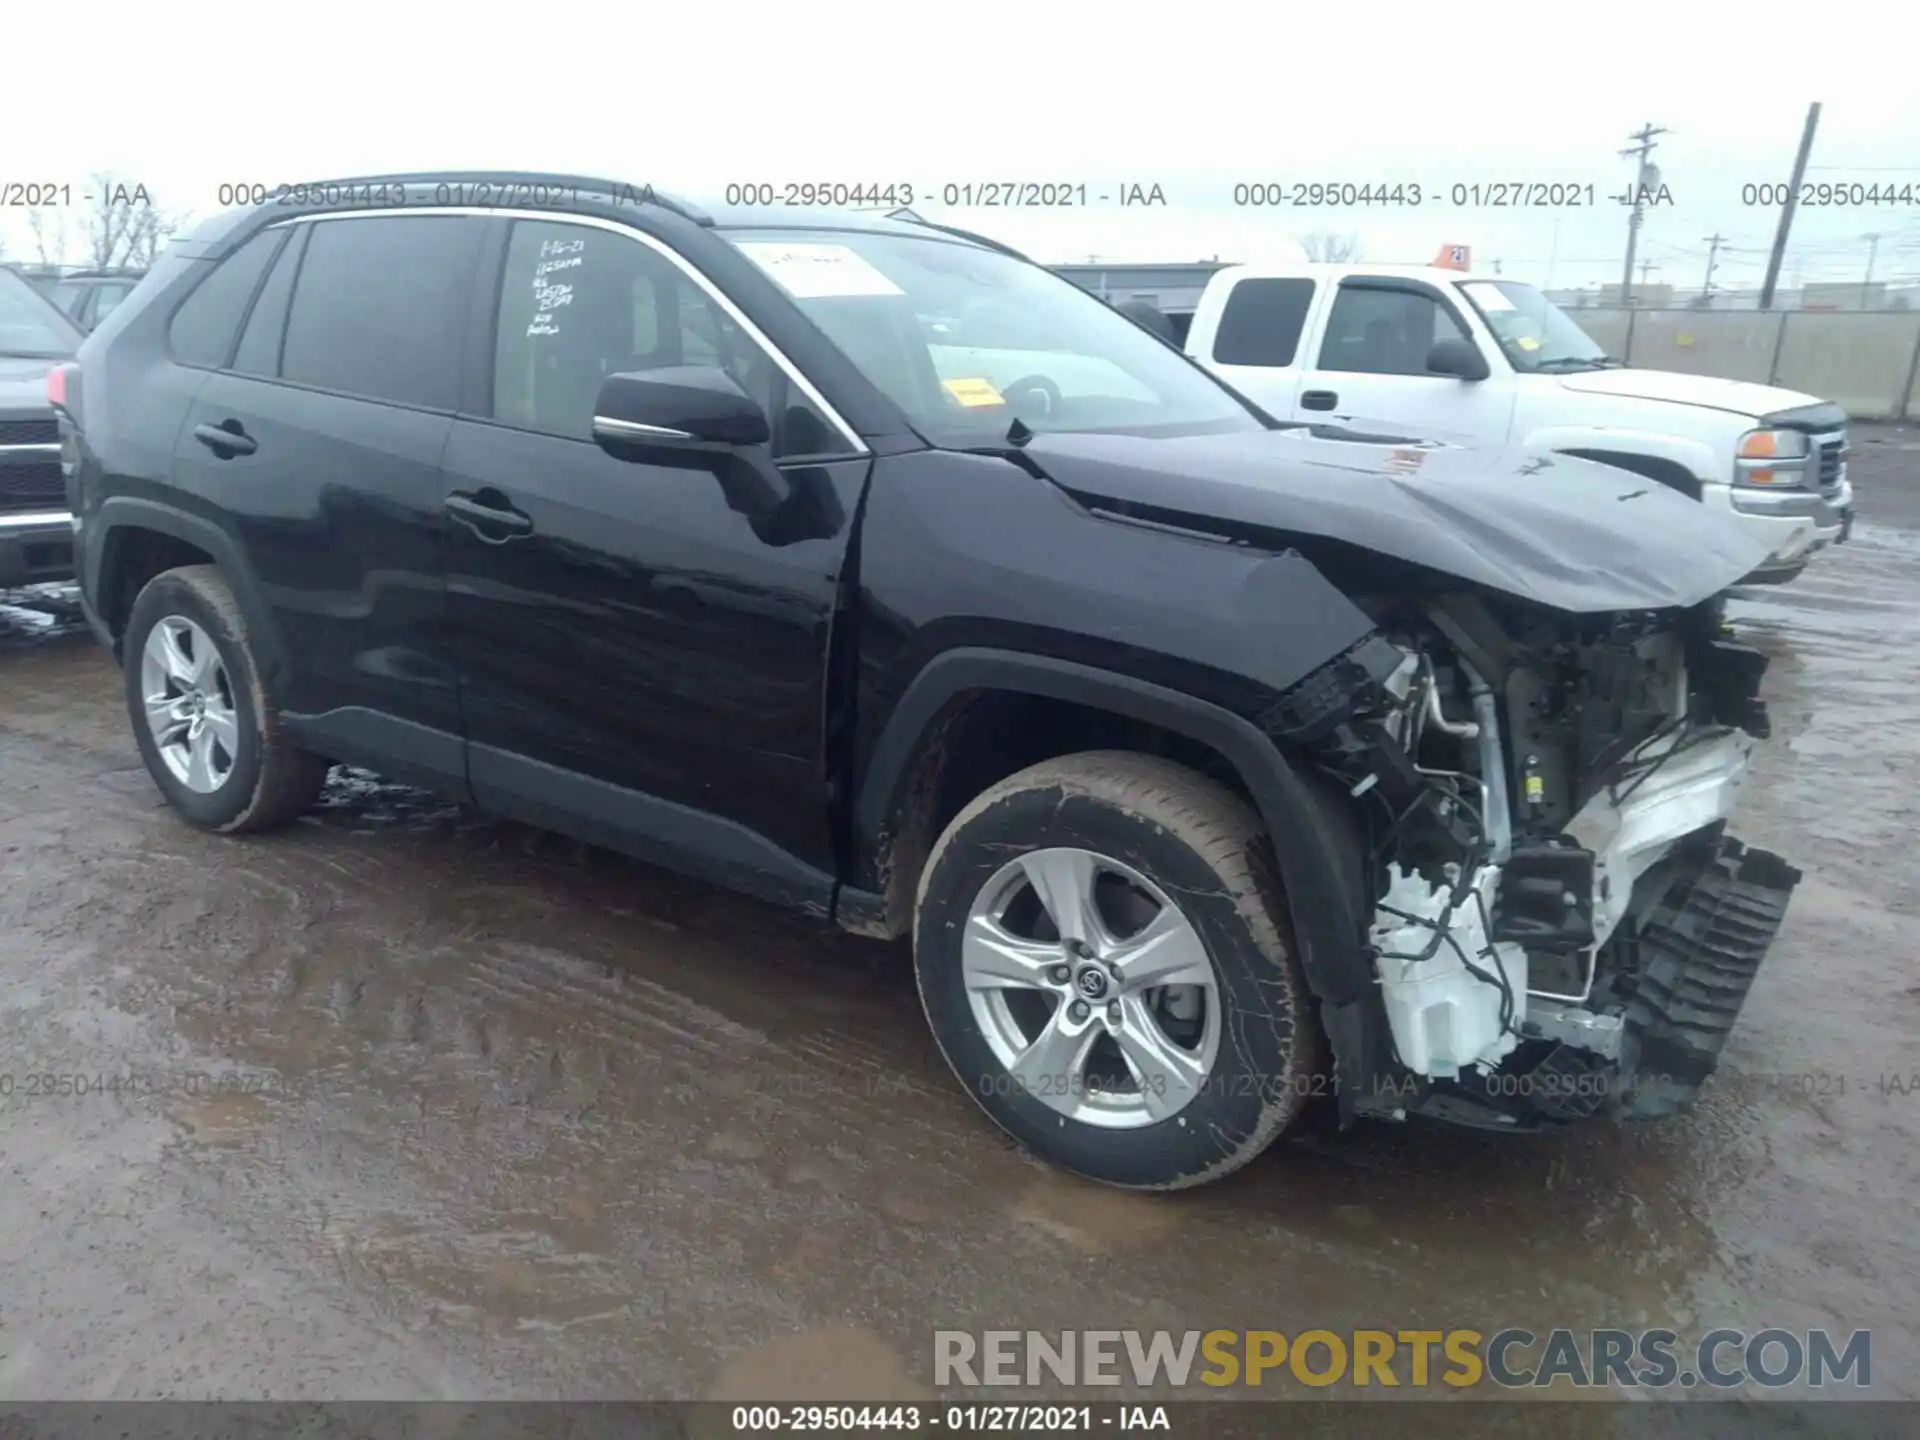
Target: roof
(898,221)
(1278,269)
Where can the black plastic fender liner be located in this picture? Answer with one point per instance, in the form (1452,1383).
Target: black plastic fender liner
(1310,851)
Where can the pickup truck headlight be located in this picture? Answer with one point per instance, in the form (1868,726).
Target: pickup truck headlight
(1772,457)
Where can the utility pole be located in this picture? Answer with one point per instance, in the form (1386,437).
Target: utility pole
(1866,285)
(1714,242)
(1638,153)
(1787,209)
(1645,266)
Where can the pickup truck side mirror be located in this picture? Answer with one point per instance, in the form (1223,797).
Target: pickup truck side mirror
(1459,358)
(1151,318)
(688,407)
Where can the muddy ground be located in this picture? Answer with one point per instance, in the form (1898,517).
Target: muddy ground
(504,1116)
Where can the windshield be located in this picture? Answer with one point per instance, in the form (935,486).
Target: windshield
(1536,334)
(30,325)
(967,340)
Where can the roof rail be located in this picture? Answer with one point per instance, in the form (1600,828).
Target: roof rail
(647,194)
(907,216)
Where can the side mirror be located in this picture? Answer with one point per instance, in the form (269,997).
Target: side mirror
(1149,317)
(686,408)
(1459,358)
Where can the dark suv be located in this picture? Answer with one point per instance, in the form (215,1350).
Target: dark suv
(89,296)
(860,564)
(36,530)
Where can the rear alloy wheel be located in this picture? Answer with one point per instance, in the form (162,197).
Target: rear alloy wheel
(188,698)
(1100,958)
(208,731)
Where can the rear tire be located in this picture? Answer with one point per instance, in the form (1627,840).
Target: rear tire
(210,734)
(1067,1046)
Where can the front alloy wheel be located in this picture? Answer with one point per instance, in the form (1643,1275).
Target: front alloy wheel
(1091,988)
(1101,953)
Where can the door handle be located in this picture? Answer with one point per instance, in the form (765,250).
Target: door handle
(1319,400)
(226,439)
(502,520)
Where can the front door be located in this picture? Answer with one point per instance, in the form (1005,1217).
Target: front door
(1371,370)
(638,663)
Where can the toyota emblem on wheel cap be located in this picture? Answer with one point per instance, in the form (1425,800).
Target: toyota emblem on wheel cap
(1092,984)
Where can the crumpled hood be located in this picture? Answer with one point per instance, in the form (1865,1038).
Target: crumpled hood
(1737,397)
(1573,534)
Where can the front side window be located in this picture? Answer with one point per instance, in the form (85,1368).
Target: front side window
(967,340)
(1378,331)
(379,308)
(1535,334)
(579,303)
(30,325)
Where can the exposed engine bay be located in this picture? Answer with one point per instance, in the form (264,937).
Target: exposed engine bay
(1560,924)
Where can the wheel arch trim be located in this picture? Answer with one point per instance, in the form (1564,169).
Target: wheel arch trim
(1327,931)
(120,514)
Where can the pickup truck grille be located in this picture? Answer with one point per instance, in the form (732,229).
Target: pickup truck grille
(1831,450)
(37,486)
(30,476)
(28,432)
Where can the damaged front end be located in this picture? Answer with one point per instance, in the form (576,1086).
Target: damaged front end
(1560,926)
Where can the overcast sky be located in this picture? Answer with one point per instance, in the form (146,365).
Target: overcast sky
(1192,98)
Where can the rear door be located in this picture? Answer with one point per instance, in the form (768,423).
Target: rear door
(1256,344)
(319,438)
(638,663)
(1371,370)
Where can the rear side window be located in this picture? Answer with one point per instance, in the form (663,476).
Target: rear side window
(380,306)
(259,352)
(208,321)
(1262,321)
(109,297)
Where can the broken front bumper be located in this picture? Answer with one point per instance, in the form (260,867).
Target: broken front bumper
(1681,917)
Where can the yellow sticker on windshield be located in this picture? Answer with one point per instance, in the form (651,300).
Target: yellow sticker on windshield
(1527,342)
(973,391)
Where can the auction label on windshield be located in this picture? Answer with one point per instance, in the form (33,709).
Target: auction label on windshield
(972,391)
(818,272)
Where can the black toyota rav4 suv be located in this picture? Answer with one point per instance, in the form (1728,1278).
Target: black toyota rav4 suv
(860,564)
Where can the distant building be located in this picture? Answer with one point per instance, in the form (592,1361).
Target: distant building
(1173,288)
(1843,295)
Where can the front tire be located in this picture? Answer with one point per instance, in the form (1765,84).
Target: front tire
(210,734)
(1100,951)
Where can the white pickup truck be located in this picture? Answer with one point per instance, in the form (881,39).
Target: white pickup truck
(1446,355)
